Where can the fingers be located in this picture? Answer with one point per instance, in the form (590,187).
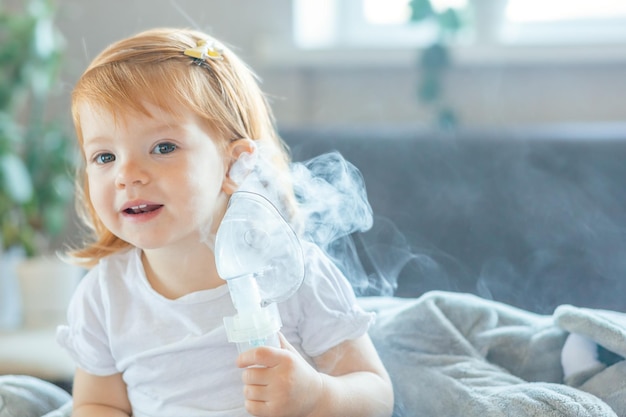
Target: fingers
(256,401)
(257,391)
(256,376)
(259,408)
(267,357)
(275,377)
(265,392)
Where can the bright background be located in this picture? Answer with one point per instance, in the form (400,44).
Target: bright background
(491,85)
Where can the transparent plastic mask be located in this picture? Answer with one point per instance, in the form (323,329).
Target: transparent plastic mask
(254,239)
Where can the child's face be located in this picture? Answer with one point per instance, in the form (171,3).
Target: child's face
(155,181)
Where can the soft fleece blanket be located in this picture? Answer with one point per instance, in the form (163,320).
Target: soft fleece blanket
(458,355)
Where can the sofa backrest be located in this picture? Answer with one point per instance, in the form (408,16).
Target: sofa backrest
(533,218)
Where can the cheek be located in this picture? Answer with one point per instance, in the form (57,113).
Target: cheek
(205,201)
(207,177)
(205,185)
(100,197)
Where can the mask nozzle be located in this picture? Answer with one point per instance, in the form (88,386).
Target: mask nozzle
(254,325)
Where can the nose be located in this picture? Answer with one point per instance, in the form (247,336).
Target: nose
(131,173)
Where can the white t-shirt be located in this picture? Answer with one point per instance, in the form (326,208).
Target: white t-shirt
(174,354)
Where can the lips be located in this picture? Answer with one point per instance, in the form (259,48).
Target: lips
(142,208)
(138,208)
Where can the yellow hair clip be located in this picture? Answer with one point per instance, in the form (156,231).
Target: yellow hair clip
(206,50)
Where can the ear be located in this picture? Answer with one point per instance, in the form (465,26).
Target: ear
(234,151)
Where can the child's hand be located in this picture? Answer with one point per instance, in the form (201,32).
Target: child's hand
(279,382)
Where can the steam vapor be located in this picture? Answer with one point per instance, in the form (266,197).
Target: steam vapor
(332,209)
(333,204)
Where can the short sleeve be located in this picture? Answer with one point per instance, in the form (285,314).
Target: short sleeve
(84,336)
(324,311)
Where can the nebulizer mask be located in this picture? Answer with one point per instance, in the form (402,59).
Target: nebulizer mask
(260,257)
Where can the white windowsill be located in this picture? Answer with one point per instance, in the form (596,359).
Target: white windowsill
(34,352)
(272,55)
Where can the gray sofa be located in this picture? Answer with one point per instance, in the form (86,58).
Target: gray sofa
(534,218)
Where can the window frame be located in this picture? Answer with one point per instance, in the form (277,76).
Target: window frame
(355,46)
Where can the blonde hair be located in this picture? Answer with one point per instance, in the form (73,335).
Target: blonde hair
(152,66)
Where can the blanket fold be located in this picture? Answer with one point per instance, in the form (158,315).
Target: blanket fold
(454,354)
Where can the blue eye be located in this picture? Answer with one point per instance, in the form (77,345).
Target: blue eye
(104,158)
(163,148)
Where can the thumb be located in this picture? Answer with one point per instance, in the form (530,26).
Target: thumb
(284,343)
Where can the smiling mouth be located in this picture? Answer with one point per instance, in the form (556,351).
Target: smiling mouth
(143,208)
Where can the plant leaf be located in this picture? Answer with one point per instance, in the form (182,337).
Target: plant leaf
(16,178)
(421,10)
(430,88)
(450,20)
(435,58)
(447,119)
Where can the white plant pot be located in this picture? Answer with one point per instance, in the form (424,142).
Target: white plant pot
(46,287)
(10,300)
(489,20)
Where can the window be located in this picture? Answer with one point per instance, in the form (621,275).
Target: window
(358,24)
(564,22)
(386,23)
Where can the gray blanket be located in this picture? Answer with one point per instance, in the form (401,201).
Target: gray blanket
(25,396)
(458,355)
(455,355)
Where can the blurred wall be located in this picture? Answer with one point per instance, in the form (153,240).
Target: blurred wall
(370,92)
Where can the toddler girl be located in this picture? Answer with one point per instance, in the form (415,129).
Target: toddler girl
(161,117)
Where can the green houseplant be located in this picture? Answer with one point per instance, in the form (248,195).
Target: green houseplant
(435,60)
(35,150)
